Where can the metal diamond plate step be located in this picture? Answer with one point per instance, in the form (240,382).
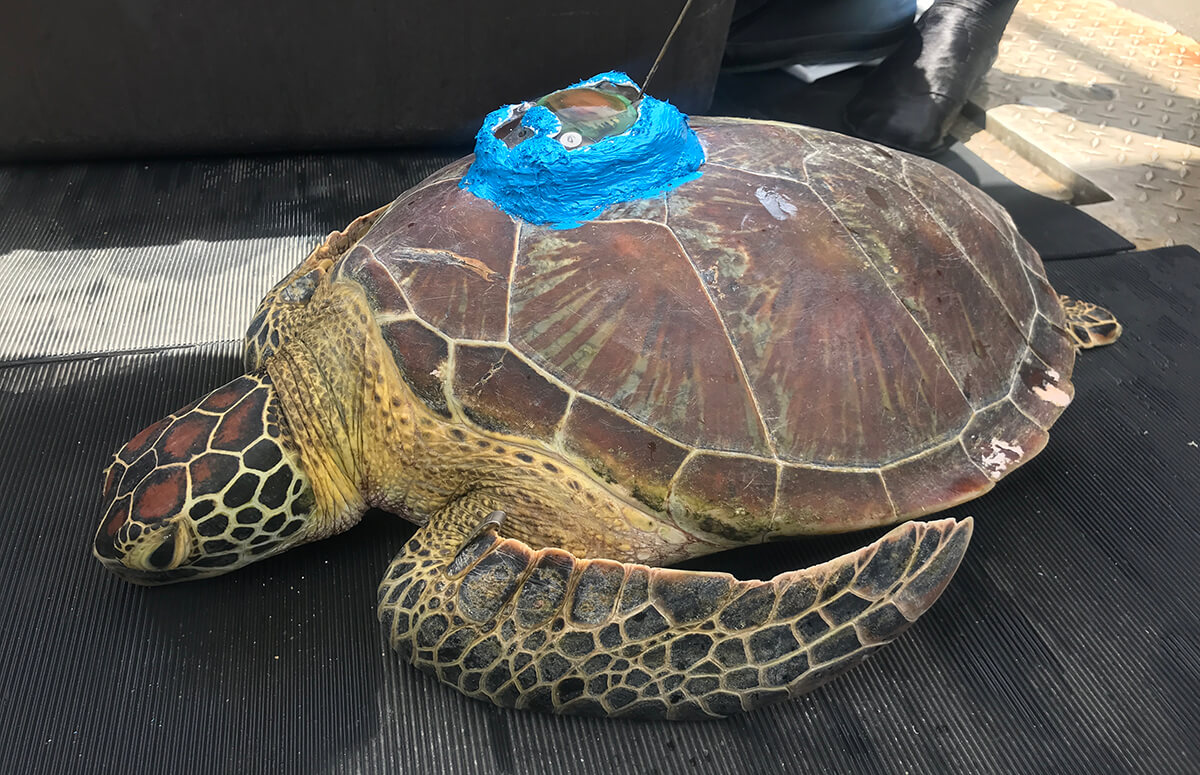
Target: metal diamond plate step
(1105,103)
(1008,162)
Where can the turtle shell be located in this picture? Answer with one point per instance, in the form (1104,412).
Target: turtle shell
(817,334)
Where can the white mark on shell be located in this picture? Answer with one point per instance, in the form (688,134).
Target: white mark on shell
(778,205)
(1001,455)
(1050,392)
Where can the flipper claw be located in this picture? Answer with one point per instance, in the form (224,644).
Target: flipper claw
(491,523)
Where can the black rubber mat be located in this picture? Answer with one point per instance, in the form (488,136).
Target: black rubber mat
(1055,229)
(1066,644)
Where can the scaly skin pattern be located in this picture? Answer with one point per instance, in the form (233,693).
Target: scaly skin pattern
(378,445)
(545,630)
(266,329)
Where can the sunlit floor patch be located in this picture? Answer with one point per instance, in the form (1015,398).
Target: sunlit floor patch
(80,301)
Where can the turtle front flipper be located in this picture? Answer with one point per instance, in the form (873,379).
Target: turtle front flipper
(266,329)
(549,631)
(1090,325)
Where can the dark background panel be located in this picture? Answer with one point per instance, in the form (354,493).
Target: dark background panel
(133,77)
(1065,644)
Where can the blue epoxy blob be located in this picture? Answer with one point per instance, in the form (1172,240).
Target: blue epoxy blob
(543,182)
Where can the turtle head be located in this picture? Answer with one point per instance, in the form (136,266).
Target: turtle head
(210,488)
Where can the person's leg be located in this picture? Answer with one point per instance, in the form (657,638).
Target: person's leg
(773,33)
(914,95)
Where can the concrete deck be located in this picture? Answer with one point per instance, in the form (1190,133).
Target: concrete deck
(1097,105)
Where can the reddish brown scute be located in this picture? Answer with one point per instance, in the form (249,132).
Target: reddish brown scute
(816,334)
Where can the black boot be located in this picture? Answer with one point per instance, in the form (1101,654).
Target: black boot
(913,96)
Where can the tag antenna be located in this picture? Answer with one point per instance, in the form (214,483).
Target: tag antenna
(666,44)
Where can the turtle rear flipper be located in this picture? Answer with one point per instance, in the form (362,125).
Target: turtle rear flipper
(1090,325)
(548,631)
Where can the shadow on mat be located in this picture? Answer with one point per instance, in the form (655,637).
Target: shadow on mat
(116,204)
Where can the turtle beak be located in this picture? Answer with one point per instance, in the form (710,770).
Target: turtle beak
(152,578)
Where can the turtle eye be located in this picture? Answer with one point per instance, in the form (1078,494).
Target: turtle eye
(158,549)
(164,557)
(161,557)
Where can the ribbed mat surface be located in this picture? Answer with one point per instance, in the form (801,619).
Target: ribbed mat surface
(1066,644)
(128,255)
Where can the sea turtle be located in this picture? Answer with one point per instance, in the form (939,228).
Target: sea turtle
(817,334)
